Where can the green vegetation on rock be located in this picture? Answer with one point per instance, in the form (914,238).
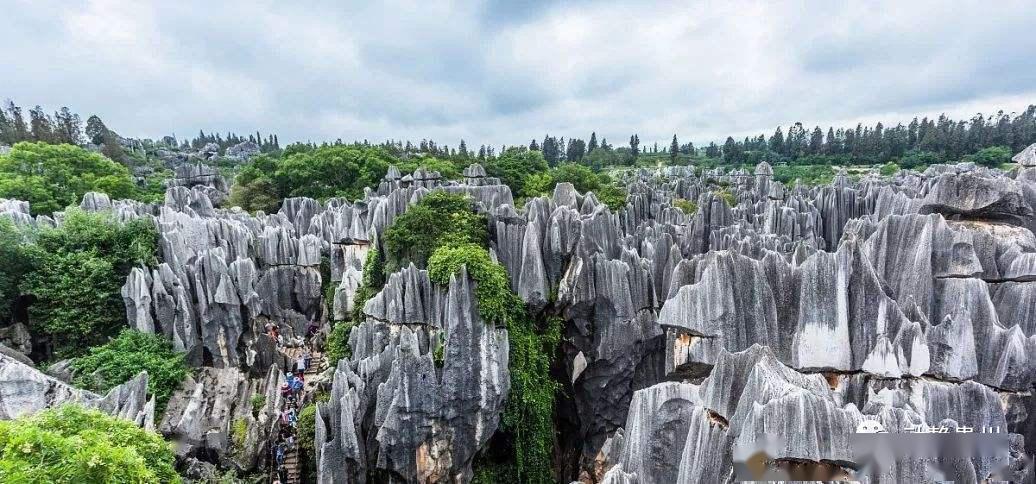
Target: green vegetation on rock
(528,415)
(439,218)
(688,207)
(120,359)
(74,445)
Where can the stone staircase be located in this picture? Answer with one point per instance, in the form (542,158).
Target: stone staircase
(318,363)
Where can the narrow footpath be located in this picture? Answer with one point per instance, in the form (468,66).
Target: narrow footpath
(285,455)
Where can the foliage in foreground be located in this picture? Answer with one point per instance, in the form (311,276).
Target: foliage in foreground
(121,359)
(52,177)
(76,445)
(528,415)
(76,274)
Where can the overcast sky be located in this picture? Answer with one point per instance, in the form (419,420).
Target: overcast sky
(509,71)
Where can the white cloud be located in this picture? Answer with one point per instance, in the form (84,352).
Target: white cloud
(496,74)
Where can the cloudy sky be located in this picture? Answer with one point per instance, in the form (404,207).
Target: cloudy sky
(509,71)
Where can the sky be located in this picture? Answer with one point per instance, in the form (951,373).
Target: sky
(505,72)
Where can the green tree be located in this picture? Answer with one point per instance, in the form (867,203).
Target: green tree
(52,177)
(14,264)
(514,166)
(674,150)
(439,218)
(120,359)
(333,171)
(71,445)
(77,272)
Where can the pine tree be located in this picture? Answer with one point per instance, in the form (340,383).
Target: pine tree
(674,149)
(533,145)
(635,146)
(593,142)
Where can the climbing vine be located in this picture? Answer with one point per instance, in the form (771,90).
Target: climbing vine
(528,414)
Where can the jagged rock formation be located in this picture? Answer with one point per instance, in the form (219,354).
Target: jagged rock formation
(690,340)
(394,412)
(212,418)
(26,390)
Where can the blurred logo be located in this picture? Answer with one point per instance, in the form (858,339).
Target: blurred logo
(870,427)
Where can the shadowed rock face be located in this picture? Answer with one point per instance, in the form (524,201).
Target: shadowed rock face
(691,341)
(393,411)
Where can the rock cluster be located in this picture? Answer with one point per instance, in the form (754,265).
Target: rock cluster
(26,390)
(773,321)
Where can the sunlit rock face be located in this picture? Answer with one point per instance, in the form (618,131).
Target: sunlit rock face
(25,390)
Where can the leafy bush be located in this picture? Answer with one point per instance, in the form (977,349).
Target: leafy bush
(73,445)
(332,171)
(373,280)
(889,169)
(807,174)
(449,170)
(439,218)
(131,352)
(728,197)
(583,179)
(528,415)
(915,159)
(258,402)
(992,157)
(239,433)
(78,270)
(306,435)
(337,346)
(686,206)
(496,302)
(52,177)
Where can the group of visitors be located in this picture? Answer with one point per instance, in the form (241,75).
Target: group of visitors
(292,397)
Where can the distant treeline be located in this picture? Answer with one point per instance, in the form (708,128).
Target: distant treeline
(922,141)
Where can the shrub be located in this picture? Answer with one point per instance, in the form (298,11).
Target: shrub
(71,444)
(686,206)
(439,218)
(52,177)
(992,157)
(332,171)
(14,263)
(130,353)
(258,402)
(728,197)
(337,346)
(889,169)
(915,159)
(307,441)
(515,165)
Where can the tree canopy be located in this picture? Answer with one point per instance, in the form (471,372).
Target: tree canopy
(75,275)
(52,177)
